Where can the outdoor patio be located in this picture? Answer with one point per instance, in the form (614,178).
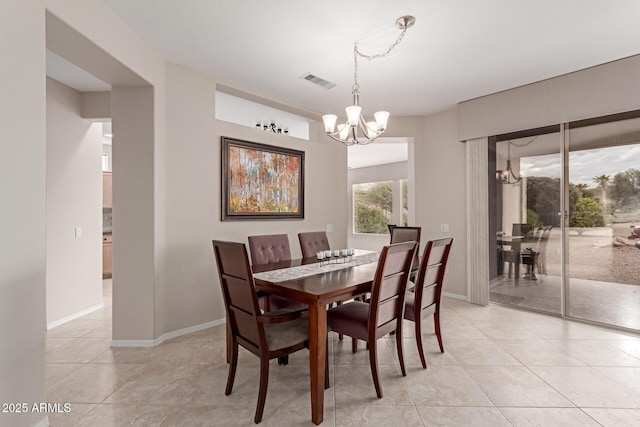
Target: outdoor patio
(593,254)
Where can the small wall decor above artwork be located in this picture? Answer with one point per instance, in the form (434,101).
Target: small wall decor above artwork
(261,181)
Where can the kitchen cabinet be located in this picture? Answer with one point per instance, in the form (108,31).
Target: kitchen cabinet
(107,190)
(107,255)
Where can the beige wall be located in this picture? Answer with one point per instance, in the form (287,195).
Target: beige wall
(134,213)
(191,290)
(96,106)
(74,199)
(22,217)
(440,179)
(436,173)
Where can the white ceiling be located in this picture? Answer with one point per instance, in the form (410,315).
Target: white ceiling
(458,49)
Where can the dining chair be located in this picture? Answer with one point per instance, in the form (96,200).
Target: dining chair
(266,249)
(408,234)
(269,248)
(529,255)
(514,257)
(384,311)
(267,335)
(428,290)
(312,242)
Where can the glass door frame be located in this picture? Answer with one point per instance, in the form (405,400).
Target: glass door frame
(564,227)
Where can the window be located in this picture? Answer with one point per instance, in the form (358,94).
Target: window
(373,207)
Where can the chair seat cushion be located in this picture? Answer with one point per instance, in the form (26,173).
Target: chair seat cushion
(350,319)
(287,334)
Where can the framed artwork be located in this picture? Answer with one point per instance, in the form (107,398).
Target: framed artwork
(261,181)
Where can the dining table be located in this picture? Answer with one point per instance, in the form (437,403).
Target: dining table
(318,284)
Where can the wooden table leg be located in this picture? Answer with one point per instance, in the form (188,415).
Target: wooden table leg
(317,354)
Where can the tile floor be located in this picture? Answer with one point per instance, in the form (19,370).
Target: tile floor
(500,367)
(604,302)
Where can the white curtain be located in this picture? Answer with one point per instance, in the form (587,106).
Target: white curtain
(477,221)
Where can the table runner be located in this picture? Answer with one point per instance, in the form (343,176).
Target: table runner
(299,271)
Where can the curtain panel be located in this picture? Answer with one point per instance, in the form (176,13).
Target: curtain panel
(477,221)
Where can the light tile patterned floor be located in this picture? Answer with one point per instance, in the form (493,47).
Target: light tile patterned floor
(501,367)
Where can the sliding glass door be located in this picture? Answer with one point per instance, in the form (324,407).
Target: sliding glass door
(565,212)
(603,274)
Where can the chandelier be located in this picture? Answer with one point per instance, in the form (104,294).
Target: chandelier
(507,176)
(356,130)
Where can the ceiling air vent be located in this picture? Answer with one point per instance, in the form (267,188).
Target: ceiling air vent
(317,80)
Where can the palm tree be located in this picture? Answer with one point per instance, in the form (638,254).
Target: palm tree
(603,183)
(581,188)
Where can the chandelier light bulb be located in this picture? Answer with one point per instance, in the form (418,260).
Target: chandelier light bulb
(353,114)
(329,122)
(382,117)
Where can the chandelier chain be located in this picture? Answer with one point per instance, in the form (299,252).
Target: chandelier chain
(384,54)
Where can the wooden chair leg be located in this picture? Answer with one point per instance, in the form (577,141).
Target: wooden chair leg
(373,361)
(232,367)
(340,336)
(228,339)
(326,366)
(418,327)
(262,393)
(436,321)
(399,348)
(354,345)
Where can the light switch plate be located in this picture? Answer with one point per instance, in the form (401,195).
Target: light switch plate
(78,232)
(329,228)
(444,228)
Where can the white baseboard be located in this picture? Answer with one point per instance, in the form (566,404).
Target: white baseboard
(455,296)
(162,338)
(74,316)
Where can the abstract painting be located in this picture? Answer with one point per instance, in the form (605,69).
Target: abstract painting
(261,181)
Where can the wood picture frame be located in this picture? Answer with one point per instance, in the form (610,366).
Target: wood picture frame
(261,181)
